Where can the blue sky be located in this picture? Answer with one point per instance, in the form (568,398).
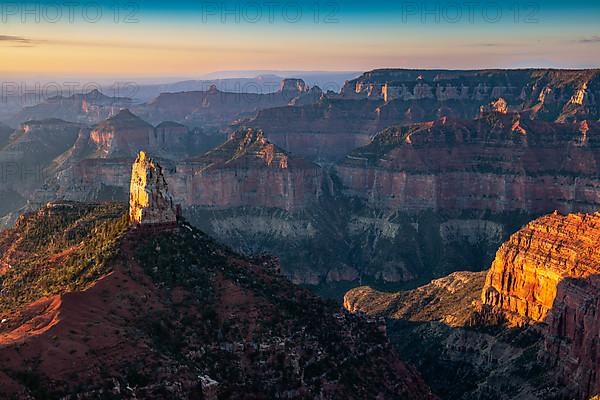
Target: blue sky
(179,38)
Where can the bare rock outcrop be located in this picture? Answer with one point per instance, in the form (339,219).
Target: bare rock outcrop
(124,134)
(149,201)
(548,274)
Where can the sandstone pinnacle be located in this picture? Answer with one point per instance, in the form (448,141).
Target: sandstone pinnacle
(149,199)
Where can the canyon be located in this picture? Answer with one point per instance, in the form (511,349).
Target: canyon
(535,311)
(453,189)
(406,198)
(163,311)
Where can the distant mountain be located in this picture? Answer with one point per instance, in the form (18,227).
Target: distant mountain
(87,108)
(214,108)
(255,82)
(328,129)
(260,84)
(325,79)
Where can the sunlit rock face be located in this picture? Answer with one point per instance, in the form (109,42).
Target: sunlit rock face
(149,201)
(549,274)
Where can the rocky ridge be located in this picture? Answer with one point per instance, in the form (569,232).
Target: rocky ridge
(247,170)
(130,312)
(548,273)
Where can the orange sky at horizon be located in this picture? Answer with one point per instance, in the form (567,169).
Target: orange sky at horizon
(191,50)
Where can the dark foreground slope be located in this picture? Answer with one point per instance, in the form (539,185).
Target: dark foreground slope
(92,308)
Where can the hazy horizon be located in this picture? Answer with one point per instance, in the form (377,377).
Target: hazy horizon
(181,39)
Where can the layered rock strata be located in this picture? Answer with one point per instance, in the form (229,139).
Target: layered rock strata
(498,163)
(548,273)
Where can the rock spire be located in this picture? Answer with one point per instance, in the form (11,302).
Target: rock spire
(149,198)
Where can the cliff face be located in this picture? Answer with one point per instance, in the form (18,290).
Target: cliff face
(549,273)
(247,171)
(498,163)
(382,98)
(149,199)
(526,288)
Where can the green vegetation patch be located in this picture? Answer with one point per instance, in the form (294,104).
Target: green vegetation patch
(59,249)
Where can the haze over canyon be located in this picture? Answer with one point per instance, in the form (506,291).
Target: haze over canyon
(418,234)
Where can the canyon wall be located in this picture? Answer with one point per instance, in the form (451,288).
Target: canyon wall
(381,98)
(548,273)
(498,163)
(247,171)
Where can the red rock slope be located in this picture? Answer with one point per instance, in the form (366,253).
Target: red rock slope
(93,308)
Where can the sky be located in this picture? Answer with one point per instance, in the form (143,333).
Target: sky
(181,39)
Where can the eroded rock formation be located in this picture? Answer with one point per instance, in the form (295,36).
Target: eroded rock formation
(250,171)
(150,201)
(124,134)
(498,163)
(548,273)
(328,129)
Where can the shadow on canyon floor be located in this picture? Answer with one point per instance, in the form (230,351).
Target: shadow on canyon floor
(556,359)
